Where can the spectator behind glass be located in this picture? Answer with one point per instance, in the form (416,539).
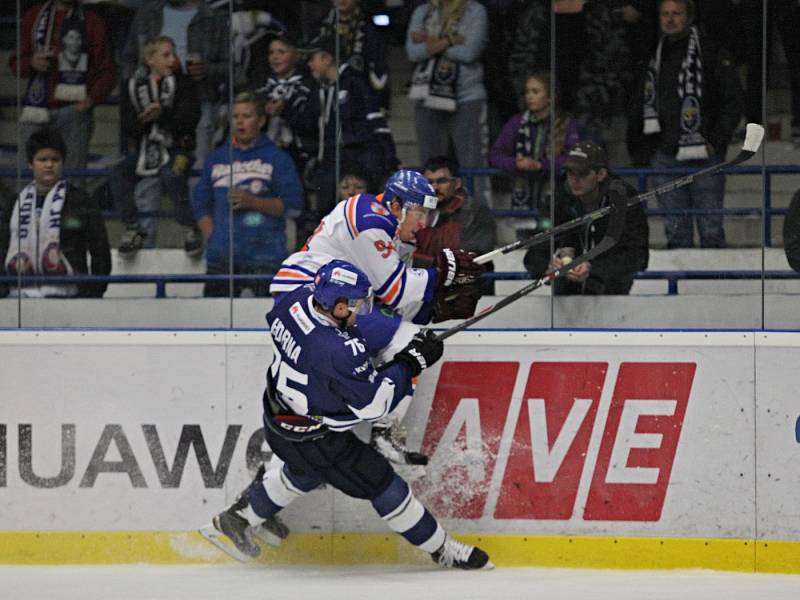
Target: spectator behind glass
(463,223)
(523,146)
(65,54)
(365,136)
(791,233)
(590,51)
(590,185)
(285,89)
(353,180)
(68,236)
(687,106)
(201,43)
(160,111)
(252,25)
(363,45)
(783,15)
(266,189)
(446,39)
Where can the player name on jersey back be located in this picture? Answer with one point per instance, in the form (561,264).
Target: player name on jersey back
(284,339)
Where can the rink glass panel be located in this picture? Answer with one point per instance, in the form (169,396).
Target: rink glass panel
(758,303)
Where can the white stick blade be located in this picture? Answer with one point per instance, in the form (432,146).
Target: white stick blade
(484,258)
(753,136)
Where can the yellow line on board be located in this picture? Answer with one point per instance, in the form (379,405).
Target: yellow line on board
(29,547)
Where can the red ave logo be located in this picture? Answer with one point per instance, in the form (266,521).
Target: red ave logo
(539,444)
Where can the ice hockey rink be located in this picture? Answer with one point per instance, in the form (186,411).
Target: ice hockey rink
(259,582)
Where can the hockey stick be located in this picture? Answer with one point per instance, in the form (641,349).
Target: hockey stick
(615,226)
(752,141)
(604,244)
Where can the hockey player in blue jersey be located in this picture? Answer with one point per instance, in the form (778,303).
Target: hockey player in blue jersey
(320,385)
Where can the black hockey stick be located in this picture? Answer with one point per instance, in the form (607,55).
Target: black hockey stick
(616,223)
(752,141)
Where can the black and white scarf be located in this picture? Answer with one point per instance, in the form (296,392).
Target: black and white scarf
(294,92)
(691,144)
(35,239)
(72,62)
(352,32)
(530,141)
(433,81)
(144,89)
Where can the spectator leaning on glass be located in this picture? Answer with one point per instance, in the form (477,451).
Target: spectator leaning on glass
(65,54)
(590,185)
(524,144)
(446,39)
(54,228)
(266,189)
(689,102)
(159,111)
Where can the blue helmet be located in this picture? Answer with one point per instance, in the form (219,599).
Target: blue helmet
(339,281)
(410,187)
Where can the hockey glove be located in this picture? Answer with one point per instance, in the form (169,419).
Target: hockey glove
(422,351)
(456,268)
(457,302)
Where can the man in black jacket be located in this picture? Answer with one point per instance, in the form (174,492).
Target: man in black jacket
(688,105)
(590,186)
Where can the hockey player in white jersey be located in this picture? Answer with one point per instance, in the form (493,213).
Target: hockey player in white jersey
(320,385)
(377,234)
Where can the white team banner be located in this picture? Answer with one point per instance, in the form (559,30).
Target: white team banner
(540,433)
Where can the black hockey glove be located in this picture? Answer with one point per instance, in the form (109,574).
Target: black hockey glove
(422,351)
(456,268)
(457,302)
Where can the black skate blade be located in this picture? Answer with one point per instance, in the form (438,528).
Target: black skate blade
(210,533)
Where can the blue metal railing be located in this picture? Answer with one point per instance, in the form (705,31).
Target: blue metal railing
(641,174)
(161,280)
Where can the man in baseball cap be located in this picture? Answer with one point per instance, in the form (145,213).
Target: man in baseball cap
(585,157)
(590,185)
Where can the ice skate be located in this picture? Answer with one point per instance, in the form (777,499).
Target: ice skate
(231,532)
(455,555)
(390,441)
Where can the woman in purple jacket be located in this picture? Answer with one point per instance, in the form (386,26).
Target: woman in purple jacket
(523,146)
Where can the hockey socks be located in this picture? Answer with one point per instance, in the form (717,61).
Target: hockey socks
(278,488)
(407,516)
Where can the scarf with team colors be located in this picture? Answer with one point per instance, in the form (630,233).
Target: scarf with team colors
(72,63)
(34,244)
(691,144)
(433,81)
(144,89)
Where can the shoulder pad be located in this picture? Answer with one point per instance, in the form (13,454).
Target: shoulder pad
(365,211)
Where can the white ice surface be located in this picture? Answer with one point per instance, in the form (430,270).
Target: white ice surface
(382,583)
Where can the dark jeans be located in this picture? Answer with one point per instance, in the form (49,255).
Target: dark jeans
(133,194)
(706,192)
